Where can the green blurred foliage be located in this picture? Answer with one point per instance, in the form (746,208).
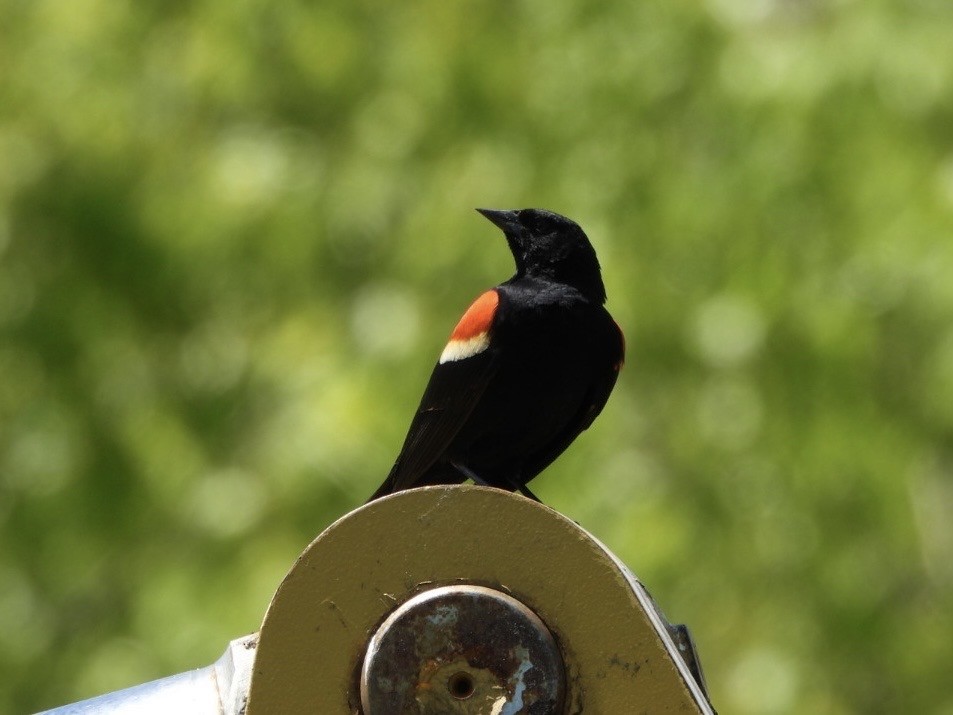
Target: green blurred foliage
(234,235)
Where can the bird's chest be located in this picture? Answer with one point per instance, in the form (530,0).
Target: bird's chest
(547,359)
(549,335)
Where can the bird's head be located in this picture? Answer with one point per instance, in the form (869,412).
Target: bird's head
(547,245)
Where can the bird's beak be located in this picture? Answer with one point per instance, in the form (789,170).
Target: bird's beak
(506,221)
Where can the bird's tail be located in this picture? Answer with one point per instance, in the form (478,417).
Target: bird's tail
(399,478)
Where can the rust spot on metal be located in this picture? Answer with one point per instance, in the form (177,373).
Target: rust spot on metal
(462,649)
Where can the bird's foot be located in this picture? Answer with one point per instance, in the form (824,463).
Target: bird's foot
(470,474)
(514,484)
(524,490)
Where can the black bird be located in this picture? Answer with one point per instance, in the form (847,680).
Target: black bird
(529,366)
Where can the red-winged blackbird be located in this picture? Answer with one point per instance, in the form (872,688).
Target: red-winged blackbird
(529,366)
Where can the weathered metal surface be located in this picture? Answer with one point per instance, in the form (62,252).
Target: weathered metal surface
(682,637)
(462,649)
(618,653)
(619,656)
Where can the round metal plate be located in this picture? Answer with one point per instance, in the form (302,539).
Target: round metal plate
(618,657)
(462,649)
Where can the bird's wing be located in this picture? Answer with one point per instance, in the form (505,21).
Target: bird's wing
(596,398)
(452,393)
(459,379)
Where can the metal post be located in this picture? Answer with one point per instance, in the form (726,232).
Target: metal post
(218,689)
(457,599)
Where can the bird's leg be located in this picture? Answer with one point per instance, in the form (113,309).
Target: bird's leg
(515,485)
(469,474)
(524,490)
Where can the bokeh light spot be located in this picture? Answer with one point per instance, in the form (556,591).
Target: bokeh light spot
(764,680)
(385,320)
(728,330)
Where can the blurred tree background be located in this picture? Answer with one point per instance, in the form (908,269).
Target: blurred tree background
(235,235)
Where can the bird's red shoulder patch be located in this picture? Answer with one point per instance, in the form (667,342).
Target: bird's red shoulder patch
(478,318)
(472,334)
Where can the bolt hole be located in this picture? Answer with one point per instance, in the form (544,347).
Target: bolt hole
(461,685)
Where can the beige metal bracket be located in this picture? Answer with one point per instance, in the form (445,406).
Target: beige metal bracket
(617,651)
